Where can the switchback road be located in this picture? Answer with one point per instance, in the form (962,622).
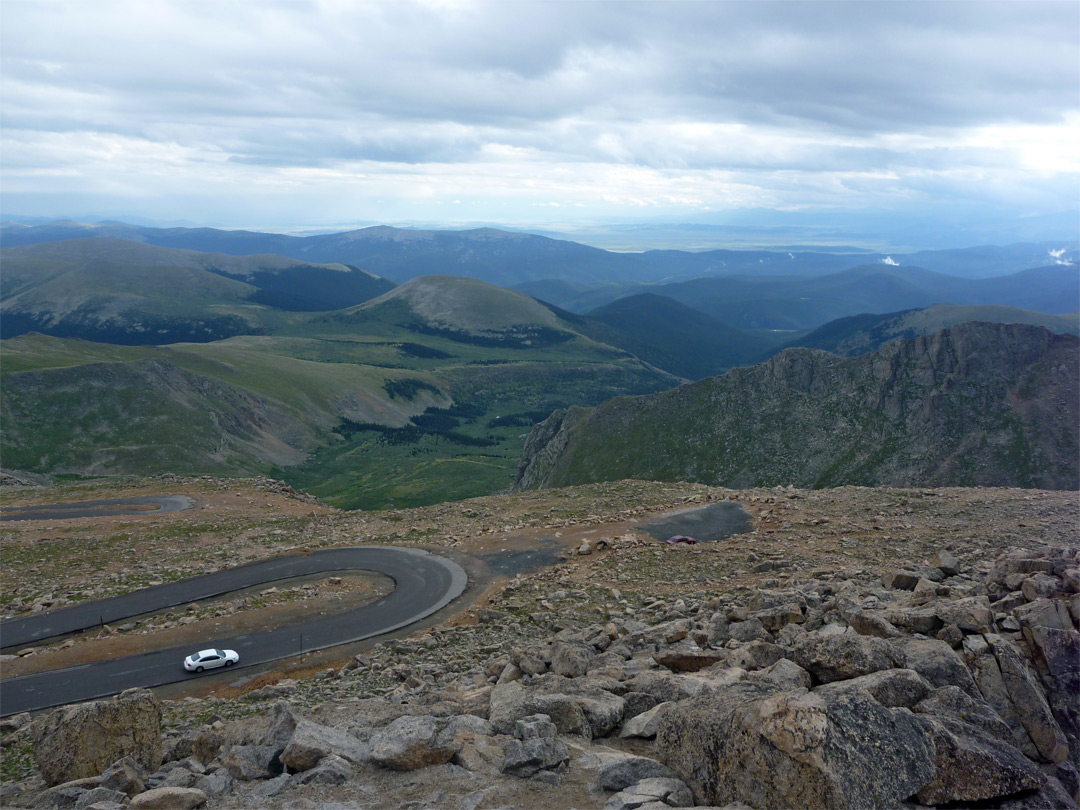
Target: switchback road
(147,505)
(424,583)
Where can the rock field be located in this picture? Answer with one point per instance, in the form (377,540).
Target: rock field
(859,648)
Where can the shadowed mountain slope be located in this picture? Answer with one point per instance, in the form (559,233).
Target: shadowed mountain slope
(975,404)
(674,337)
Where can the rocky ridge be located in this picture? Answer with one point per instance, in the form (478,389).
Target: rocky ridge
(949,681)
(976,404)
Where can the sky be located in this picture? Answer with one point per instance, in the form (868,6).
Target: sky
(308,113)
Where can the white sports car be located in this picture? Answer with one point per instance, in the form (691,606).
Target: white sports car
(208,659)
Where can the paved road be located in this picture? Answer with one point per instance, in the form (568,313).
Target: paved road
(714,522)
(424,582)
(120,506)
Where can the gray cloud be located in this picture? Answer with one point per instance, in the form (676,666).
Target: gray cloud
(891,91)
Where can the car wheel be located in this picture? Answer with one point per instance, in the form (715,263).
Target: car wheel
(198,669)
(229,663)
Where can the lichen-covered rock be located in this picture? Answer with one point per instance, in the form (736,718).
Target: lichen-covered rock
(836,658)
(524,758)
(796,749)
(410,743)
(650,794)
(83,740)
(620,772)
(125,775)
(1029,701)
(331,770)
(575,706)
(249,762)
(971,765)
(310,742)
(934,660)
(570,659)
(889,687)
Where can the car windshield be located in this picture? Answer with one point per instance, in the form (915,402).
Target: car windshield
(219,653)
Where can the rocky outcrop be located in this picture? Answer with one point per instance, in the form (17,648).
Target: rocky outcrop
(801,713)
(936,410)
(83,740)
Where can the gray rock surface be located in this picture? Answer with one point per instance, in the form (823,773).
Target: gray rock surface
(310,742)
(82,740)
(796,749)
(410,743)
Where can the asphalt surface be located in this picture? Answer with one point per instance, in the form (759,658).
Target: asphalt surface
(714,522)
(83,509)
(424,583)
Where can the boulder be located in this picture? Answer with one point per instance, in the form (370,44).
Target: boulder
(410,743)
(250,762)
(900,580)
(570,659)
(971,765)
(1039,586)
(784,675)
(83,740)
(310,742)
(1029,701)
(835,658)
(100,795)
(955,702)
(688,660)
(889,687)
(645,724)
(748,630)
(331,770)
(650,794)
(527,757)
(216,784)
(796,749)
(869,623)
(169,798)
(946,562)
(971,614)
(935,660)
(534,726)
(924,621)
(620,772)
(575,706)
(125,775)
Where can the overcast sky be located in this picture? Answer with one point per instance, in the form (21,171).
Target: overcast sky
(301,113)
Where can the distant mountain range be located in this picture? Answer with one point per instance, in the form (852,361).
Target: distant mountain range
(120,291)
(794,303)
(861,334)
(369,393)
(509,259)
(975,404)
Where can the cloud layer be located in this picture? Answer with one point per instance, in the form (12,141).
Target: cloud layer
(299,112)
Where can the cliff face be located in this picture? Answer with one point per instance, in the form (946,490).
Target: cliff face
(976,404)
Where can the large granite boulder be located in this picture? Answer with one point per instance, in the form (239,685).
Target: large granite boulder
(575,706)
(971,765)
(81,741)
(796,749)
(837,658)
(410,743)
(311,742)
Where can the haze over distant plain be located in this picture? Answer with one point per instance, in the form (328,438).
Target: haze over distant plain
(276,115)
